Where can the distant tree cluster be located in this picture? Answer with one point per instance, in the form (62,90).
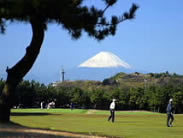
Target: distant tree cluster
(96,95)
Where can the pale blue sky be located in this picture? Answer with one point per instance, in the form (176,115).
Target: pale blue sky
(152,42)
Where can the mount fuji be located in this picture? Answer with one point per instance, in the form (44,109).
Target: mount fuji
(99,67)
(105,60)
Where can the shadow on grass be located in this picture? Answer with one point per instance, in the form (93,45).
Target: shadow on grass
(5,134)
(29,114)
(14,130)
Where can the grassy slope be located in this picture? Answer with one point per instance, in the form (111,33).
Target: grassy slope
(128,124)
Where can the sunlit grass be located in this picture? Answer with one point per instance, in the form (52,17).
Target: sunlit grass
(128,124)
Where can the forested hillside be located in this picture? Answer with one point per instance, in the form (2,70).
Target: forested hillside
(134,91)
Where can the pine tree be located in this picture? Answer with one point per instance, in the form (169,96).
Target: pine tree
(70,14)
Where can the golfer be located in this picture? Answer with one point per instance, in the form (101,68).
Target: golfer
(169,111)
(112,110)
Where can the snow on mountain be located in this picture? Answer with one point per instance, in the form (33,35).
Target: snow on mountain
(105,60)
(99,67)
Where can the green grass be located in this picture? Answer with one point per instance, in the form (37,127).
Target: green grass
(52,111)
(128,124)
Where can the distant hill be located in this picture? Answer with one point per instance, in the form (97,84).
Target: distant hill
(144,80)
(129,80)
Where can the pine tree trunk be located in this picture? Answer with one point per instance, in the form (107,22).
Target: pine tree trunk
(4,113)
(17,72)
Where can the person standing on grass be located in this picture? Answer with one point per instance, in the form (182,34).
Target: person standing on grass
(71,106)
(42,103)
(169,110)
(112,110)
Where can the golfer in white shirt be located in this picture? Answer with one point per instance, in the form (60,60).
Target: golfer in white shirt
(112,110)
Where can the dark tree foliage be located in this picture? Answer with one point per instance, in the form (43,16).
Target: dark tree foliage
(69,14)
(2,83)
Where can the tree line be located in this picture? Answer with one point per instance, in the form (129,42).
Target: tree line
(96,95)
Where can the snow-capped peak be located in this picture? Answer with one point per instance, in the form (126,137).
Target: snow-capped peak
(105,60)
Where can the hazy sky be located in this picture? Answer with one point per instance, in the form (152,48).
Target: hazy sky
(152,42)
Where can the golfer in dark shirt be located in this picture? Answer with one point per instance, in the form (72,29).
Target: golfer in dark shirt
(169,110)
